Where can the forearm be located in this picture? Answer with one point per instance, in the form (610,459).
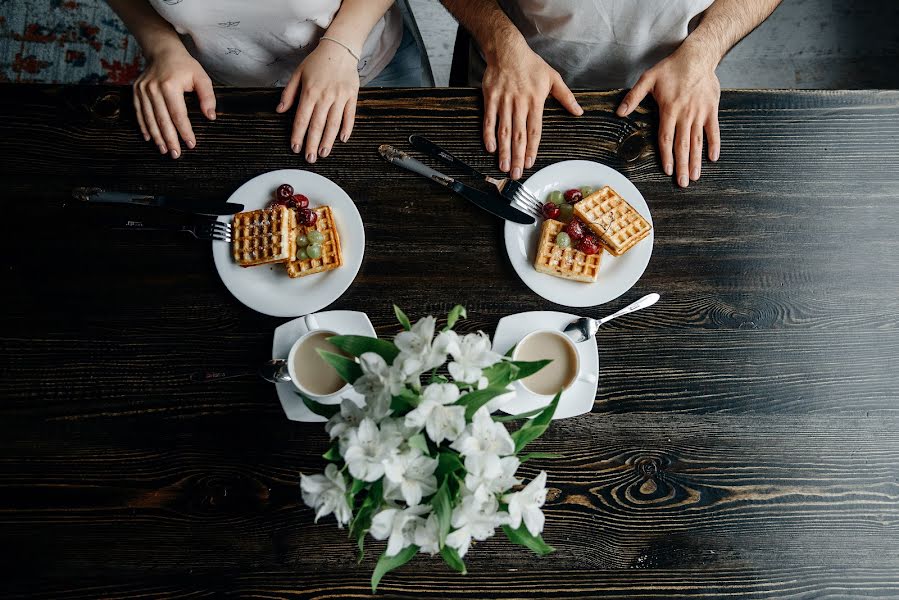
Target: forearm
(725,23)
(487,23)
(355,19)
(153,33)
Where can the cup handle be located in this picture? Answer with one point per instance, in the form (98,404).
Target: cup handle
(311,322)
(588,377)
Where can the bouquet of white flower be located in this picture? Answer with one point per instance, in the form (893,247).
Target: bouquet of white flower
(426,466)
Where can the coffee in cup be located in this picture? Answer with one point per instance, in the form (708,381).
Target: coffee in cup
(550,345)
(311,373)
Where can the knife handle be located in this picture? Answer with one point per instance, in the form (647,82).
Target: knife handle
(426,145)
(401,159)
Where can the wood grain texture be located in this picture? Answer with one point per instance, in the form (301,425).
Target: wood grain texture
(744,439)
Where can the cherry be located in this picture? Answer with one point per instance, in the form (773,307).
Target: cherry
(573,196)
(300,201)
(307,217)
(550,211)
(588,245)
(284,192)
(575,229)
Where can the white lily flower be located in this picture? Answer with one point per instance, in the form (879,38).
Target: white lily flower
(411,474)
(398,526)
(476,517)
(435,413)
(420,351)
(349,417)
(471,355)
(379,383)
(365,448)
(326,494)
(426,536)
(525,505)
(491,472)
(484,436)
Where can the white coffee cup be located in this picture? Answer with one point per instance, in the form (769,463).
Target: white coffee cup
(558,347)
(315,333)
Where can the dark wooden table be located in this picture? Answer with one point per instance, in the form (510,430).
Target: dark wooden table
(744,441)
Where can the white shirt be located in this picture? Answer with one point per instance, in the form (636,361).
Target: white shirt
(604,43)
(261,42)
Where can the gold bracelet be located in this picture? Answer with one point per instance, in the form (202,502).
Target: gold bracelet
(345,47)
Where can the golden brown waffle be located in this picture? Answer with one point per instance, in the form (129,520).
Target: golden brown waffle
(262,237)
(331,257)
(617,224)
(567,263)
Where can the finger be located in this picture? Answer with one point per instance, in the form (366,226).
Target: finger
(634,97)
(519,137)
(288,94)
(666,142)
(696,150)
(206,96)
(491,106)
(301,124)
(165,122)
(560,92)
(349,119)
(713,136)
(174,102)
(682,152)
(535,130)
(504,134)
(332,126)
(139,113)
(150,120)
(316,127)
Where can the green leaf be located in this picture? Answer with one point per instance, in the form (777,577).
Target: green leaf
(526,369)
(348,369)
(402,318)
(443,510)
(472,401)
(389,563)
(357,345)
(534,428)
(323,410)
(333,454)
(501,374)
(519,416)
(361,522)
(533,455)
(523,537)
(404,402)
(457,312)
(358,486)
(452,558)
(418,441)
(448,462)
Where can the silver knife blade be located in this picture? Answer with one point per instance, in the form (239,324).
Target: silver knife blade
(189,205)
(492,204)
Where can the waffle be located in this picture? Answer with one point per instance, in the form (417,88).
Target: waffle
(331,257)
(567,263)
(617,224)
(262,237)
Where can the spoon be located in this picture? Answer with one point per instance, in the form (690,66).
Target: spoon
(585,328)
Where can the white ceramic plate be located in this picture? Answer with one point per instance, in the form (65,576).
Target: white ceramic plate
(344,322)
(616,274)
(576,400)
(268,289)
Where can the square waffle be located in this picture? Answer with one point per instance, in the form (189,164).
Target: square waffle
(617,224)
(262,237)
(331,257)
(567,263)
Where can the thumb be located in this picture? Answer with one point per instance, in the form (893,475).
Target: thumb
(206,95)
(636,95)
(560,92)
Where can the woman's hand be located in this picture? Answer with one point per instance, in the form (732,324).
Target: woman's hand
(328,85)
(687,91)
(159,98)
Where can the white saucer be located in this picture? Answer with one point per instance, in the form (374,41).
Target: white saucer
(345,322)
(616,274)
(268,289)
(576,400)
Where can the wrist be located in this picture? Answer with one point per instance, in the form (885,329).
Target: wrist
(161,47)
(697,53)
(503,45)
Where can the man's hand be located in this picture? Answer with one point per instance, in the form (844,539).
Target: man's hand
(159,98)
(687,91)
(516,84)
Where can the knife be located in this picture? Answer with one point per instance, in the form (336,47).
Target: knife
(491,204)
(199,207)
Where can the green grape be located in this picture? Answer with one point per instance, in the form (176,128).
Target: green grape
(587,190)
(556,197)
(314,251)
(563,240)
(302,241)
(316,237)
(301,254)
(566,211)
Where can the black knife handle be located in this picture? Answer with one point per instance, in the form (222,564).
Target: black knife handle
(425,145)
(401,159)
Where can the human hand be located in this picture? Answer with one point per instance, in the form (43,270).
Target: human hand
(515,86)
(329,85)
(159,99)
(687,91)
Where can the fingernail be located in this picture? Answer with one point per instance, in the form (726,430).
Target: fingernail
(324,152)
(344,137)
(504,166)
(580,110)
(310,158)
(528,162)
(695,174)
(516,173)
(683,181)
(191,144)
(622,110)
(491,147)
(715,155)
(295,148)
(146,137)
(162,149)
(280,107)
(175,153)
(669,170)
(210,115)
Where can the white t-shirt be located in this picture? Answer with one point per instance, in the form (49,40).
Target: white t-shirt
(603,43)
(260,43)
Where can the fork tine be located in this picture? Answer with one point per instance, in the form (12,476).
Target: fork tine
(527,201)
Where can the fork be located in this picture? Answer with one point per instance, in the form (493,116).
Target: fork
(208,230)
(511,190)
